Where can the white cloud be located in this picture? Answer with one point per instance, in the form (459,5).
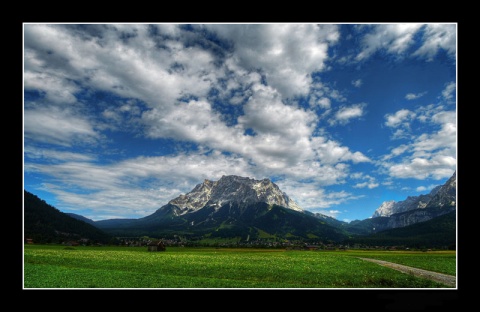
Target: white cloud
(331,152)
(346,113)
(394,38)
(450,88)
(444,139)
(53,155)
(311,196)
(436,37)
(425,188)
(432,154)
(57,90)
(366,184)
(357,83)
(369,181)
(397,39)
(58,126)
(324,103)
(413,96)
(399,150)
(401,117)
(130,68)
(436,167)
(286,53)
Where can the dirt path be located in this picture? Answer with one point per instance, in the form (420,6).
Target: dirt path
(448,280)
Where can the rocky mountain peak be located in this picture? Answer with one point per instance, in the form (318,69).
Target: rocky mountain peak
(439,196)
(233,189)
(385,209)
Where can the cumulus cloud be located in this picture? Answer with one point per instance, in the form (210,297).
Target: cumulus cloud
(430,155)
(133,70)
(324,103)
(286,53)
(369,181)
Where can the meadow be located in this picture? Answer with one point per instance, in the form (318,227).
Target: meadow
(56,266)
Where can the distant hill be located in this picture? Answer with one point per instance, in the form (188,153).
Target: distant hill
(44,223)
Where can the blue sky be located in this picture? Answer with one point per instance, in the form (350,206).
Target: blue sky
(121,118)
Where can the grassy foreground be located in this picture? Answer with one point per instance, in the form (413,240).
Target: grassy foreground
(48,266)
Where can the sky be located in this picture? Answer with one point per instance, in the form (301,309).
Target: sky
(119,119)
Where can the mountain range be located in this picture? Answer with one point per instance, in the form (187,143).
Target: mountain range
(245,209)
(441,200)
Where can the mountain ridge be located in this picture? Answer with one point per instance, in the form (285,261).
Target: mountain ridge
(441,195)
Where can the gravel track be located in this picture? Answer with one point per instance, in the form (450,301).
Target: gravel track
(446,279)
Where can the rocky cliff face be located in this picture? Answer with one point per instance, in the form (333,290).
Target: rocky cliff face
(391,207)
(415,216)
(233,189)
(446,195)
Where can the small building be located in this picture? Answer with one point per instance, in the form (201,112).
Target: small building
(156,246)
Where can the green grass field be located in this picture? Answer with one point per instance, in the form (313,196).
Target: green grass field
(49,266)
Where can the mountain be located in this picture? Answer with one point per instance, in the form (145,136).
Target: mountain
(232,207)
(440,196)
(446,196)
(415,209)
(233,189)
(45,224)
(81,218)
(391,207)
(438,232)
